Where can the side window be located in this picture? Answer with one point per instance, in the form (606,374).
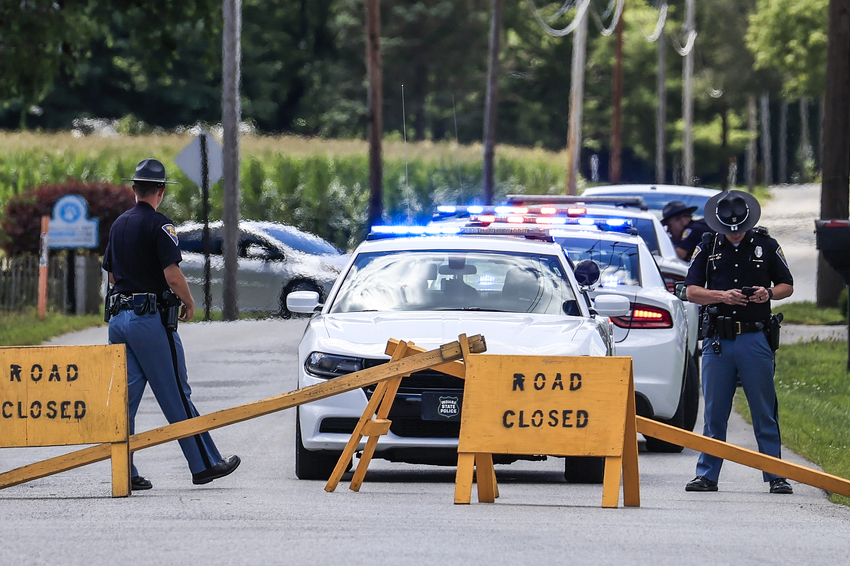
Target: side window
(252,247)
(192,241)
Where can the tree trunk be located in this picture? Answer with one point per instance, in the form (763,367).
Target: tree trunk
(725,178)
(688,101)
(766,141)
(576,104)
(836,127)
(751,145)
(375,118)
(783,142)
(615,167)
(661,117)
(805,149)
(492,102)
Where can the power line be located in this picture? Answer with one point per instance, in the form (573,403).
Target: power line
(580,10)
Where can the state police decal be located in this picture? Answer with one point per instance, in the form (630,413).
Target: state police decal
(172,233)
(449,406)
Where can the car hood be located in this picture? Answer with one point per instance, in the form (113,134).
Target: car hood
(366,334)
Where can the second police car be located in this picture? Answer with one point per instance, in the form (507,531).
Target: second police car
(520,293)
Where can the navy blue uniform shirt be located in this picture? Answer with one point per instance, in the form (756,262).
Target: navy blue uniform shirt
(691,236)
(757,261)
(142,243)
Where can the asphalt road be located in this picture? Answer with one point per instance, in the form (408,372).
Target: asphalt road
(403,514)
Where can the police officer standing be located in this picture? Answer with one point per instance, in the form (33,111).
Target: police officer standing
(735,273)
(684,230)
(142,260)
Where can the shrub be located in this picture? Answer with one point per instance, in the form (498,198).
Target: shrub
(21,224)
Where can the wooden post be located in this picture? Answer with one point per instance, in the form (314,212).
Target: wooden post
(42,268)
(374,116)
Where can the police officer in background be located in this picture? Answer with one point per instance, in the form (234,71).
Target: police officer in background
(683,229)
(148,287)
(735,273)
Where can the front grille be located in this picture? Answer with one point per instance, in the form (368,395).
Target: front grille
(339,425)
(412,427)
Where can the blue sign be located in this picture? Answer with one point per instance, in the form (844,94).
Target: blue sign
(70,226)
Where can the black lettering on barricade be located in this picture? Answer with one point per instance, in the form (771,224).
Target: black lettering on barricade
(16,373)
(54,374)
(519,382)
(7,404)
(581,419)
(505,422)
(79,409)
(539,381)
(565,420)
(537,418)
(21,413)
(33,412)
(553,417)
(558,382)
(33,370)
(575,381)
(51,410)
(72,376)
(65,406)
(522,423)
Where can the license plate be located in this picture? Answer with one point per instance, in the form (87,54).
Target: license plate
(441,406)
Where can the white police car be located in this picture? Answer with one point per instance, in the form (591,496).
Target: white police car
(654,332)
(520,293)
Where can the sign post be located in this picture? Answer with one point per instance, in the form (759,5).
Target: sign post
(42,267)
(201,161)
(553,405)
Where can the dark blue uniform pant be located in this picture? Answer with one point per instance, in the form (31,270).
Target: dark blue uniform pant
(151,359)
(750,359)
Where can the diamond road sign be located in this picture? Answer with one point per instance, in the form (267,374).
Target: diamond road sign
(189,160)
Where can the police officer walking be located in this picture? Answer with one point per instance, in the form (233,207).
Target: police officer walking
(148,297)
(683,229)
(731,273)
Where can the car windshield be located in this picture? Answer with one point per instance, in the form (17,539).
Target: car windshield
(301,241)
(618,261)
(655,201)
(431,280)
(644,226)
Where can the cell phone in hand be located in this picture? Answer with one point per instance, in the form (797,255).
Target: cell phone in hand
(748,291)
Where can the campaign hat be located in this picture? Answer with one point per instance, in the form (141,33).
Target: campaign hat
(675,208)
(150,171)
(732,212)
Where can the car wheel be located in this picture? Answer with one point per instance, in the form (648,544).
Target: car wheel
(584,469)
(297,286)
(312,465)
(686,412)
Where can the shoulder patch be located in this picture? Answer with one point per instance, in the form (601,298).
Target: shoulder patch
(697,250)
(686,232)
(172,233)
(782,256)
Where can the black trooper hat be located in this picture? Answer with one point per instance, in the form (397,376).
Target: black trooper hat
(150,171)
(675,208)
(732,212)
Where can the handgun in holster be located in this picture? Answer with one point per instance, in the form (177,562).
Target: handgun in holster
(773,326)
(708,322)
(170,309)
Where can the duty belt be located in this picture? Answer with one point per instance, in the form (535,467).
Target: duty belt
(142,302)
(728,329)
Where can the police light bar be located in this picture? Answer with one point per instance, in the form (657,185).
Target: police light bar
(529,232)
(378,232)
(635,201)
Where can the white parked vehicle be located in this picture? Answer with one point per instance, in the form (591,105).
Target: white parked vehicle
(521,294)
(656,196)
(654,332)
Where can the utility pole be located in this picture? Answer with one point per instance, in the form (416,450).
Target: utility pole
(375,118)
(688,100)
(661,117)
(783,142)
(576,103)
(616,164)
(836,133)
(751,144)
(766,141)
(492,103)
(230,118)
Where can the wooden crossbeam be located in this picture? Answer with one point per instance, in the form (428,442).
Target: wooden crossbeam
(743,456)
(423,360)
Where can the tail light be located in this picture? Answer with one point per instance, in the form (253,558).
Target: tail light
(670,279)
(644,316)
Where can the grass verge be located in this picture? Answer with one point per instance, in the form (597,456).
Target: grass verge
(813,388)
(807,312)
(25,329)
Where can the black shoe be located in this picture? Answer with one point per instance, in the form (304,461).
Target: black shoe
(701,483)
(138,483)
(220,470)
(780,485)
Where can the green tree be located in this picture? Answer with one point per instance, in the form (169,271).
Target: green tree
(790,36)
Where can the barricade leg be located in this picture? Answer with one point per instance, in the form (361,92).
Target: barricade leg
(463,478)
(485,476)
(611,483)
(120,469)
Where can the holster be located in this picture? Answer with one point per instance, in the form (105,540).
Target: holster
(708,322)
(772,330)
(169,309)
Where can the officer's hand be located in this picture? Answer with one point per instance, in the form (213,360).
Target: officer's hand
(187,312)
(760,296)
(734,297)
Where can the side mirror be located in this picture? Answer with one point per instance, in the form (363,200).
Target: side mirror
(612,305)
(587,273)
(681,291)
(304,302)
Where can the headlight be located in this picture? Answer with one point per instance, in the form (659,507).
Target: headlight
(326,366)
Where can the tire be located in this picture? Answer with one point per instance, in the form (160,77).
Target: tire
(584,469)
(686,413)
(312,465)
(297,286)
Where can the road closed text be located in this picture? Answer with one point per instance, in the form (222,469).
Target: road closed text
(53,382)
(548,417)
